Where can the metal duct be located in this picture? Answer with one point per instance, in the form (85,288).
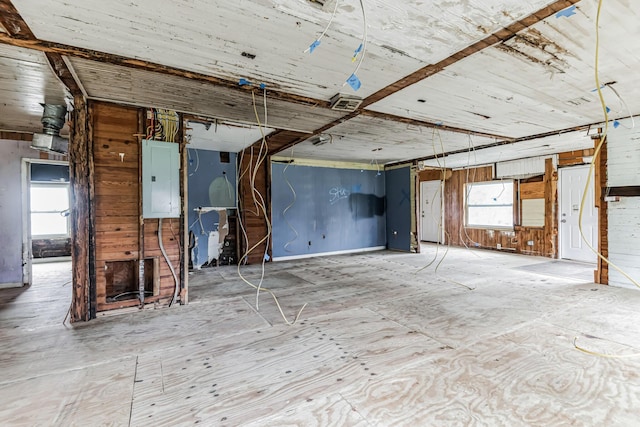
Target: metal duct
(53,118)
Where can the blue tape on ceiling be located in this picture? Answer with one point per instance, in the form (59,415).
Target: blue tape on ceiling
(263,85)
(314,45)
(616,124)
(568,12)
(354,82)
(243,82)
(608,109)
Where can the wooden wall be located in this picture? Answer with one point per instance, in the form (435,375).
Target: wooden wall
(544,238)
(252,217)
(120,232)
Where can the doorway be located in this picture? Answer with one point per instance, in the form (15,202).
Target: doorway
(431,212)
(45,207)
(572,183)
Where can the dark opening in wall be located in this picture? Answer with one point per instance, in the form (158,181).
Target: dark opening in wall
(123,279)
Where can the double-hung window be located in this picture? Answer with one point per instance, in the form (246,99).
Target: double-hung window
(489,204)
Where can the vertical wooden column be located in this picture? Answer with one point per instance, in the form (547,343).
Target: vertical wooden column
(82,233)
(550,209)
(600,178)
(184,216)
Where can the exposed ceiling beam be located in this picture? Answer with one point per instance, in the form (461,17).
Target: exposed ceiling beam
(497,37)
(93,55)
(425,72)
(18,29)
(501,143)
(13,22)
(414,122)
(63,73)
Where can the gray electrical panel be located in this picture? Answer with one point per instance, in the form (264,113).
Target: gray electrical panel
(160,179)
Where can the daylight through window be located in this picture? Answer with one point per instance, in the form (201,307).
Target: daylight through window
(489,204)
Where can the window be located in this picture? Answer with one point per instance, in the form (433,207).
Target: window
(489,204)
(49,208)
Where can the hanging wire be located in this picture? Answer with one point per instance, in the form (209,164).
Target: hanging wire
(316,42)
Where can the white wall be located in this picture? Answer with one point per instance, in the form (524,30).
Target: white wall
(623,169)
(11,155)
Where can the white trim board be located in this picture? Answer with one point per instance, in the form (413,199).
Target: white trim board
(11,285)
(348,251)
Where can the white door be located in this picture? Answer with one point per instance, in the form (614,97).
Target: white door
(572,185)
(431,221)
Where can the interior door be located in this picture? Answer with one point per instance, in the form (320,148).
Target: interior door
(572,246)
(431,215)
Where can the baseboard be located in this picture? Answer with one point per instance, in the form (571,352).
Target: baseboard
(11,285)
(348,251)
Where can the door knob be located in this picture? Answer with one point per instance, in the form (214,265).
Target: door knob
(564,220)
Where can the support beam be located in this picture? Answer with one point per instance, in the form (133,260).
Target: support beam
(63,73)
(13,22)
(497,37)
(93,55)
(80,178)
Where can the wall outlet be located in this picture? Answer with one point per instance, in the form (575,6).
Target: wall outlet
(530,243)
(499,246)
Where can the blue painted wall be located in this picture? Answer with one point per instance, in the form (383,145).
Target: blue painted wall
(334,209)
(398,188)
(205,168)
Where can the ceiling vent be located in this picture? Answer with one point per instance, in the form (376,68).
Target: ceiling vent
(345,103)
(53,119)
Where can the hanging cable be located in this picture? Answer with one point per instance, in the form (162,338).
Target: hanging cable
(596,153)
(260,203)
(353,79)
(317,41)
(166,258)
(633,122)
(293,201)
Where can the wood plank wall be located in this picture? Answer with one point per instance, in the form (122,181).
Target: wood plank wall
(253,219)
(121,233)
(511,241)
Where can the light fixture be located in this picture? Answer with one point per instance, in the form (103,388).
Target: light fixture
(320,140)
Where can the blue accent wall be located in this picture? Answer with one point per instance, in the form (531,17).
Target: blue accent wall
(334,209)
(203,169)
(398,189)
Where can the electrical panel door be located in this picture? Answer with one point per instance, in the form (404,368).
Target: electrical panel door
(160,179)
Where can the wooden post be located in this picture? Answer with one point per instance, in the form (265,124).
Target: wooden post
(550,210)
(81,180)
(600,177)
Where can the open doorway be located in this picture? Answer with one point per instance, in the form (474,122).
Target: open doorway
(46,204)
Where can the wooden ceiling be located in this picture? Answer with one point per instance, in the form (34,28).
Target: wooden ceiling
(501,72)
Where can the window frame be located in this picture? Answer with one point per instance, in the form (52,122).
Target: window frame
(467,190)
(39,184)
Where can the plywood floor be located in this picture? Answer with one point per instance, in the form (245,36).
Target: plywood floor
(380,343)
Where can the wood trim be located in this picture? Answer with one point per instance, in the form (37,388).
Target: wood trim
(12,22)
(497,37)
(16,136)
(628,191)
